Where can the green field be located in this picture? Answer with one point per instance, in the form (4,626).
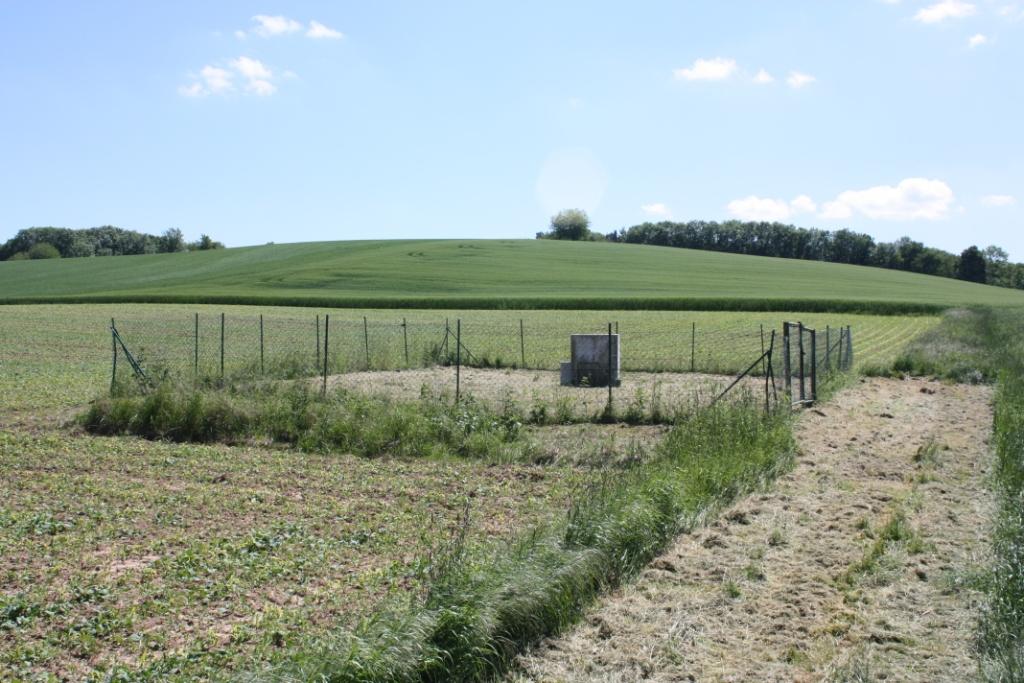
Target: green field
(489,274)
(139,560)
(59,356)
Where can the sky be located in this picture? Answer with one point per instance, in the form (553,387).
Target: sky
(261,122)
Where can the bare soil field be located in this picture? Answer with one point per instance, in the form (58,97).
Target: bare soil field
(855,566)
(643,391)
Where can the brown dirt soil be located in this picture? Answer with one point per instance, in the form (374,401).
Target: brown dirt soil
(527,388)
(800,583)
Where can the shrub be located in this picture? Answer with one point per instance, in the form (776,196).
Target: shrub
(570,224)
(43,250)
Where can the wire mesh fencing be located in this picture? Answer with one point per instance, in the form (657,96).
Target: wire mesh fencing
(810,355)
(318,347)
(219,345)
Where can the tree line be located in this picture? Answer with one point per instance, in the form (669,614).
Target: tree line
(40,243)
(990,265)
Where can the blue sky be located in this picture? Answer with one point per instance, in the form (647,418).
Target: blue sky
(297,121)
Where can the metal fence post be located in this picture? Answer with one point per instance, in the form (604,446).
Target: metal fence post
(764,367)
(317,366)
(610,368)
(222,345)
(366,341)
(803,390)
(458,358)
(522,345)
(849,348)
(327,330)
(447,333)
(113,345)
(814,365)
(839,350)
(195,358)
(693,346)
(405,338)
(828,348)
(787,369)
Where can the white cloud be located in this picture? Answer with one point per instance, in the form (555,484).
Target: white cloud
(835,210)
(261,87)
(192,90)
(763,77)
(947,9)
(318,30)
(257,75)
(656,209)
(215,80)
(910,199)
(267,26)
(998,200)
(754,208)
(799,80)
(241,35)
(976,40)
(212,80)
(803,204)
(251,68)
(715,69)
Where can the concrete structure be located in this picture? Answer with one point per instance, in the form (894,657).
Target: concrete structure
(565,370)
(589,365)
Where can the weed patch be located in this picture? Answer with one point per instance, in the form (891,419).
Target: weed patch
(297,415)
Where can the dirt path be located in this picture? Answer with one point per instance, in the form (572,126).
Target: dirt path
(851,568)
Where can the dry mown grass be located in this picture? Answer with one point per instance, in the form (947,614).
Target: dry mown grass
(123,551)
(856,566)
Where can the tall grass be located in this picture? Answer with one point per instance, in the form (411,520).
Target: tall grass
(963,347)
(298,415)
(482,609)
(984,345)
(1001,634)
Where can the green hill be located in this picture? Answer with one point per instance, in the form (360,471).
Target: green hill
(487,274)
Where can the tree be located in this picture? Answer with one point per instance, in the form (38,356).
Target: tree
(997,268)
(43,250)
(972,265)
(570,224)
(172,240)
(205,243)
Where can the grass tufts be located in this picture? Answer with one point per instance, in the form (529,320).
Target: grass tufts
(479,612)
(299,416)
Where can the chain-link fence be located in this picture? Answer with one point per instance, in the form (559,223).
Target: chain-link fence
(359,353)
(284,347)
(809,355)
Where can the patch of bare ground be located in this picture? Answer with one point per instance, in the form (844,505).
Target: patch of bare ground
(540,389)
(851,568)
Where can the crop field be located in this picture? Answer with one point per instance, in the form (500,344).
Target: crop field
(490,274)
(172,559)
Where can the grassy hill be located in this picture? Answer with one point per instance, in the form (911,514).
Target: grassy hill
(487,274)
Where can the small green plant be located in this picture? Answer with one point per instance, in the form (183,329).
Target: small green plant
(927,453)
